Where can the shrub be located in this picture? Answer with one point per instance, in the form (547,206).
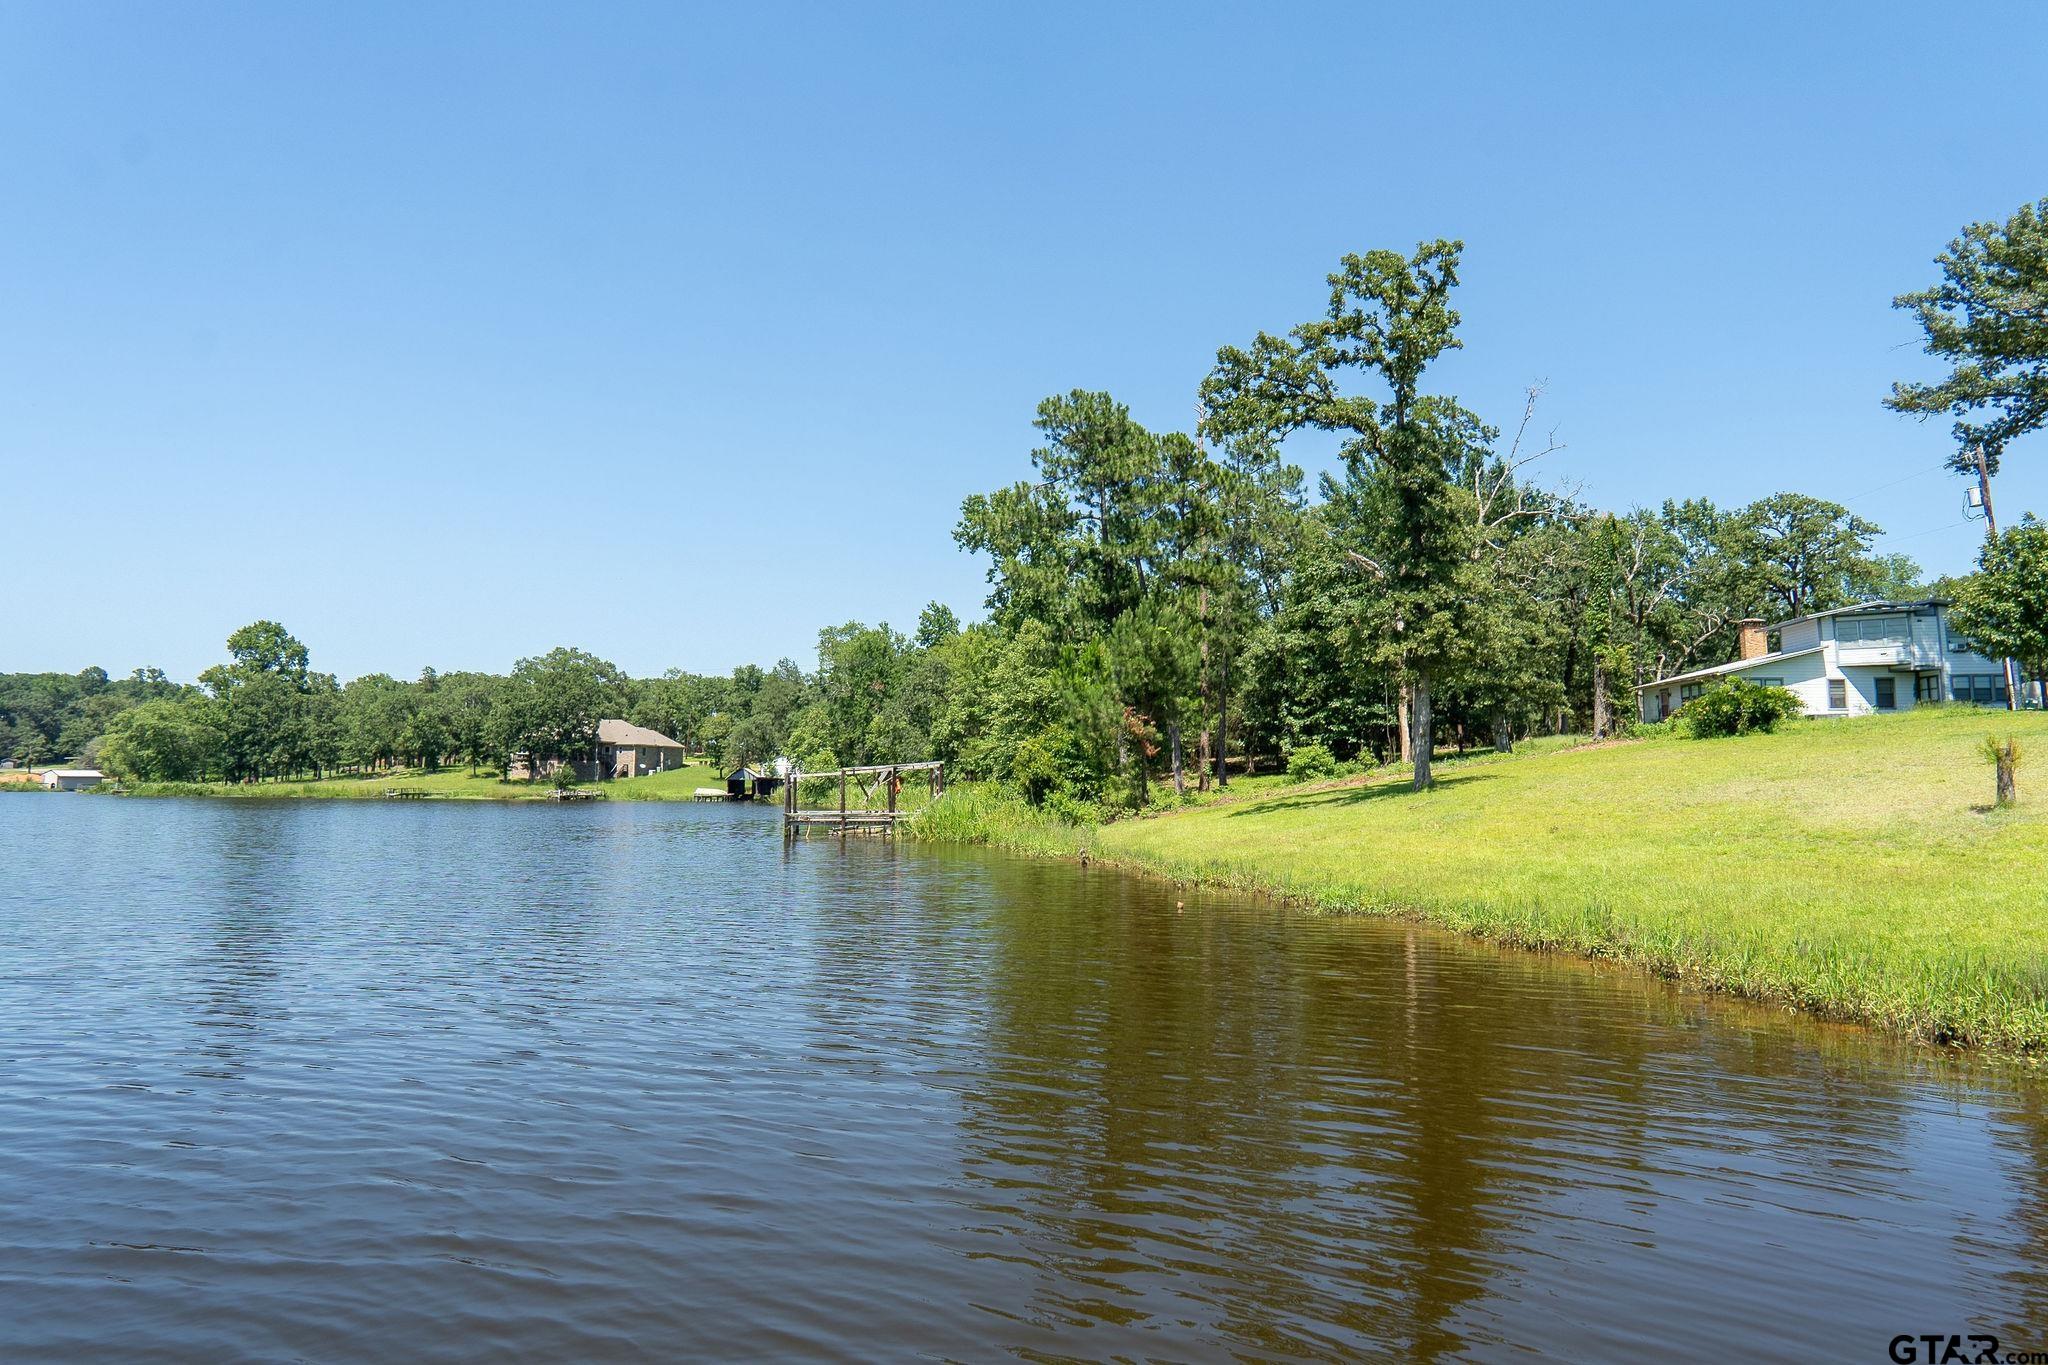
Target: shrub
(1036,769)
(564,776)
(1309,762)
(1071,810)
(1737,706)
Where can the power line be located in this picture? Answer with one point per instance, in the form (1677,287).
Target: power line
(1917,474)
(1915,535)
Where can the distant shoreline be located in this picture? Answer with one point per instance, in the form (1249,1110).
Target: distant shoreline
(441,784)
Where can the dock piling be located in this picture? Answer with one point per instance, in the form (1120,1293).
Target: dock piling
(845,818)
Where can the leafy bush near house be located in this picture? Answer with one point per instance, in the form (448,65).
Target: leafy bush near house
(1737,706)
(1309,762)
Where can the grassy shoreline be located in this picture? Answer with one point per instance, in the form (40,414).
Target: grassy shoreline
(442,784)
(1851,869)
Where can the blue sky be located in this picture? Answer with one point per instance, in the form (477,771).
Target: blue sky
(446,334)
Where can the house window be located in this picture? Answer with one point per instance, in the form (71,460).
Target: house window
(1887,695)
(1927,687)
(1985,689)
(1838,695)
(1688,691)
(1769,682)
(1872,630)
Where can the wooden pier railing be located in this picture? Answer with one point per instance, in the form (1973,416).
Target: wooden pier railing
(884,780)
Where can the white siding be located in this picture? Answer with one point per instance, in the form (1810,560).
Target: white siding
(1805,677)
(1927,634)
(1964,661)
(1863,689)
(1798,635)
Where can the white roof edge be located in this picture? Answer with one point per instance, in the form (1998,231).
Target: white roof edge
(1738,666)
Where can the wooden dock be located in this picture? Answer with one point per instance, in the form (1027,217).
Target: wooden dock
(883,780)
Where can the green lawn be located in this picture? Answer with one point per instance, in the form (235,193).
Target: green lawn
(455,784)
(1850,867)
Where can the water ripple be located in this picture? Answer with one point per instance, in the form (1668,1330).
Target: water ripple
(338,1080)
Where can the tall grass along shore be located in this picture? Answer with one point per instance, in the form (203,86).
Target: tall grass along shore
(1857,869)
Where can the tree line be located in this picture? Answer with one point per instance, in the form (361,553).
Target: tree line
(265,713)
(1165,608)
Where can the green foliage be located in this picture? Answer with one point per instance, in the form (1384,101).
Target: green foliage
(1400,516)
(1310,763)
(1037,769)
(1986,320)
(161,740)
(1737,706)
(1812,555)
(1072,810)
(2003,607)
(50,717)
(564,776)
(550,706)
(2007,752)
(274,715)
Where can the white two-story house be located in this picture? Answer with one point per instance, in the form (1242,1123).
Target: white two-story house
(1876,656)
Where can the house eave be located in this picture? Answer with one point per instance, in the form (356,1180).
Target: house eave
(1738,666)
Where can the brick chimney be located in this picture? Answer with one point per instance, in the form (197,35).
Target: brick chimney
(1753,641)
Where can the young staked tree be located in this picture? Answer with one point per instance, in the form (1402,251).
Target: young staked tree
(1389,317)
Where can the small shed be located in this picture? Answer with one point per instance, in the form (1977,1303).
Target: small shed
(741,784)
(71,779)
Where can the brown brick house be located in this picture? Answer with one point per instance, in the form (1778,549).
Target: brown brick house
(623,750)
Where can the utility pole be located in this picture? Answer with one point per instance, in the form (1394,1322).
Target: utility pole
(2012,681)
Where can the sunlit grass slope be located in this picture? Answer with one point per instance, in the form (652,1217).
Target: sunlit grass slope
(1851,867)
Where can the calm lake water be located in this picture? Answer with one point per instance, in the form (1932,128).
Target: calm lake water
(447,1081)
